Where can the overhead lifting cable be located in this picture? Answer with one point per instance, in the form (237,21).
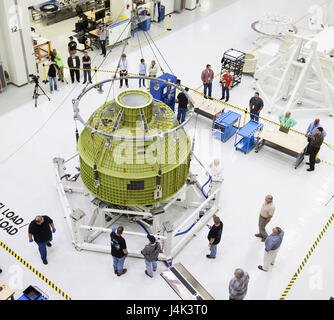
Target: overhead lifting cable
(156,58)
(160,53)
(112,83)
(139,44)
(131,21)
(149,40)
(162,70)
(97,183)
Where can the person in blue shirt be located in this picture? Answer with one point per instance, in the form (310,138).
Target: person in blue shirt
(272,245)
(142,71)
(103,38)
(311,130)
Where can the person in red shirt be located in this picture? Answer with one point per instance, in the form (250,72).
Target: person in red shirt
(226,81)
(207,77)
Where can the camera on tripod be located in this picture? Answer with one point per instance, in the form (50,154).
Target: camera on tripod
(34,78)
(37,86)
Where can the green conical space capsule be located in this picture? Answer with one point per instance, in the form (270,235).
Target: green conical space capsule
(133,171)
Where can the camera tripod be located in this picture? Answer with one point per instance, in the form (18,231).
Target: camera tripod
(36,94)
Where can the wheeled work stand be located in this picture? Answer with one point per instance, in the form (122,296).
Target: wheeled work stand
(233,60)
(154,219)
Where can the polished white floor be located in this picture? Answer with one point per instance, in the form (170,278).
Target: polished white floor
(31,138)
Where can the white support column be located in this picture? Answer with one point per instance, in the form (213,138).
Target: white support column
(285,76)
(168,243)
(323,84)
(300,84)
(215,188)
(16,47)
(156,223)
(59,170)
(77,220)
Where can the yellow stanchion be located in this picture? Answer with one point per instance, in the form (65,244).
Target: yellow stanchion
(246,110)
(44,73)
(169,25)
(95,69)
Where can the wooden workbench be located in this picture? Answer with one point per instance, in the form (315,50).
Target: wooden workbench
(206,107)
(284,142)
(6,293)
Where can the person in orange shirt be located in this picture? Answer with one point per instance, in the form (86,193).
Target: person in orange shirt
(226,81)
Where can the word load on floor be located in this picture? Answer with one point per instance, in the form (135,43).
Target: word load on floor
(9,220)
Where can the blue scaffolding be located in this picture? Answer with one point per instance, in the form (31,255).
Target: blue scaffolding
(225,126)
(247,134)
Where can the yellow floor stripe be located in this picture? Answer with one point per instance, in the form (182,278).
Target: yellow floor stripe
(35,271)
(292,281)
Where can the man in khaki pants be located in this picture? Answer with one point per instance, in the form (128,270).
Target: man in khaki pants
(266,213)
(272,243)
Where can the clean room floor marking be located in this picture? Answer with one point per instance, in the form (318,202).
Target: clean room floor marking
(307,257)
(37,273)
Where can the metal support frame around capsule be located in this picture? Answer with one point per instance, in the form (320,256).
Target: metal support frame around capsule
(77,115)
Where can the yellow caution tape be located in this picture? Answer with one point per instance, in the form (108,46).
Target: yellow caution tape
(307,257)
(222,102)
(37,273)
(264,119)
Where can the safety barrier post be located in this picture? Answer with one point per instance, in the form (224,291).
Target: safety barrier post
(169,26)
(246,110)
(95,69)
(45,80)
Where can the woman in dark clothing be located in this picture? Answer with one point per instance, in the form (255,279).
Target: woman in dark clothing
(52,74)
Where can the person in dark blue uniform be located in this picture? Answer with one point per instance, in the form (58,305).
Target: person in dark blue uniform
(41,230)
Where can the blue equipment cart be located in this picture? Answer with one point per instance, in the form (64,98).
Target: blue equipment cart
(164,92)
(143,22)
(248,140)
(33,293)
(224,127)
